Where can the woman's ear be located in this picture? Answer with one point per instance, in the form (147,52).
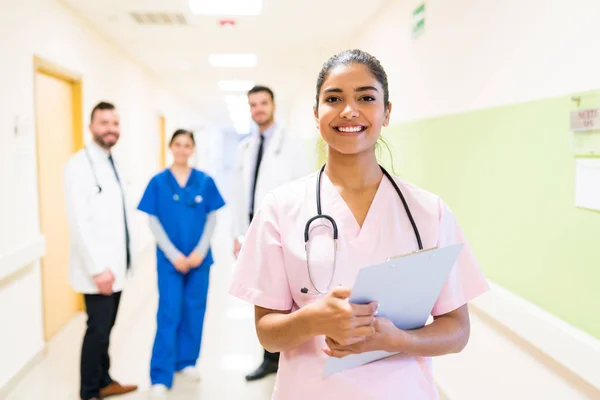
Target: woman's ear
(388,111)
(316,113)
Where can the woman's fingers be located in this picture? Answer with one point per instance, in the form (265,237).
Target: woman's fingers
(337,351)
(364,310)
(363,321)
(334,345)
(340,292)
(363,331)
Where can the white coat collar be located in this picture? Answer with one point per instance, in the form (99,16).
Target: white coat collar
(97,152)
(273,136)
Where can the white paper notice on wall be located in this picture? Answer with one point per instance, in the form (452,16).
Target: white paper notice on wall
(587,183)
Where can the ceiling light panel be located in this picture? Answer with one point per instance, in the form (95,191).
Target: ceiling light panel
(232,60)
(225,7)
(235,86)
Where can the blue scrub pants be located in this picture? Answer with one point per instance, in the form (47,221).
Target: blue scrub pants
(179,320)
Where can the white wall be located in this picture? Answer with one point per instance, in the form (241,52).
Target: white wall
(485,53)
(46,29)
(479,54)
(476,55)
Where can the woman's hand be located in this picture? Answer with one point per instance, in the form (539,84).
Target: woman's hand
(345,323)
(194,259)
(385,338)
(181,264)
(237,246)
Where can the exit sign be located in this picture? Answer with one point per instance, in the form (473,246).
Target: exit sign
(418,21)
(585,120)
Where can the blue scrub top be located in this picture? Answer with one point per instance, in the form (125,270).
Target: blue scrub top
(184,219)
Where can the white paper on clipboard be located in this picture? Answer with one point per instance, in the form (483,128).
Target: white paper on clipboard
(406,289)
(587,183)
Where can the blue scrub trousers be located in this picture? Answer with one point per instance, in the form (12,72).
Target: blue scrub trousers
(180,319)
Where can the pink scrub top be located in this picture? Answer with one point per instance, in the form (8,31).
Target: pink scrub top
(271,269)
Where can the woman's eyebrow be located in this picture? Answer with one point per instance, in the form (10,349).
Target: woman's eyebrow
(358,89)
(365,88)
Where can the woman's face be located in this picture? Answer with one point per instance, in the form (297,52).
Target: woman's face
(182,149)
(351,110)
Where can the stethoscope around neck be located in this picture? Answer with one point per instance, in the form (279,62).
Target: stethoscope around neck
(97,187)
(329,218)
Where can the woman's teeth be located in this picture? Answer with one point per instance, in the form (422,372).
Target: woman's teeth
(349,129)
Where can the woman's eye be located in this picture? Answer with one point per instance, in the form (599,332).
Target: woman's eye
(368,98)
(331,99)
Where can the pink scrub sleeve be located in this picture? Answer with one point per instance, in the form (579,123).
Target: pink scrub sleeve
(260,277)
(466,281)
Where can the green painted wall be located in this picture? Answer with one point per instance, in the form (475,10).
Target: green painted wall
(508,174)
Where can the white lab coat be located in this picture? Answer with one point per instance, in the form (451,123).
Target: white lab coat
(96,221)
(284,159)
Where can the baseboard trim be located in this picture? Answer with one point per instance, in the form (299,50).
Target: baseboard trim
(552,338)
(16,379)
(22,257)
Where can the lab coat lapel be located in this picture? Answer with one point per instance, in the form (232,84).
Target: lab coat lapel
(247,163)
(275,143)
(268,164)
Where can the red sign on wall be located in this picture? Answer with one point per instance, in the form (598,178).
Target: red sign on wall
(585,120)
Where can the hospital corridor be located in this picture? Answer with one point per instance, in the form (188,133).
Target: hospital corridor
(299,200)
(230,348)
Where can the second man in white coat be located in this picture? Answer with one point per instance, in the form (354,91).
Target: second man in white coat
(268,158)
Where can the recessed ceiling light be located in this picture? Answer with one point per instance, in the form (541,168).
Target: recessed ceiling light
(235,86)
(232,60)
(225,7)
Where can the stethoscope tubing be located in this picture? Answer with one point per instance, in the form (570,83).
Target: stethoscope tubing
(320,215)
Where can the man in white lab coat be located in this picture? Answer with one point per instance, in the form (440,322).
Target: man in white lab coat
(268,158)
(100,251)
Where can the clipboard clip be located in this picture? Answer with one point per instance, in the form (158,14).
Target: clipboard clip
(411,253)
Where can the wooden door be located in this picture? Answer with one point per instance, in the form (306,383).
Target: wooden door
(162,134)
(55,108)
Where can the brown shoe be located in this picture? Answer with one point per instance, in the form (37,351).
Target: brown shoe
(115,389)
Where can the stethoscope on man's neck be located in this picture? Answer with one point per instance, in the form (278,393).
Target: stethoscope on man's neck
(320,215)
(97,187)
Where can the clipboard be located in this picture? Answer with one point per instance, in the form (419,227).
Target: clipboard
(406,288)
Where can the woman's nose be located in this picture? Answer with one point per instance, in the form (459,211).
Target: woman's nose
(350,110)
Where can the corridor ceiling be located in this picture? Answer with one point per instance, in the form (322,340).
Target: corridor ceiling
(288,38)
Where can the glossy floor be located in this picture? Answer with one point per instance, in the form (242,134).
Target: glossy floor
(229,349)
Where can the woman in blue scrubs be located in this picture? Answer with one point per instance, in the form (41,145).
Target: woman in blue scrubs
(181,202)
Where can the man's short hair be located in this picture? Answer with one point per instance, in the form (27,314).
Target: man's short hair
(103,105)
(258,88)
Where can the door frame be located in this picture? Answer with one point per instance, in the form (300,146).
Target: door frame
(75,79)
(162,134)
(41,65)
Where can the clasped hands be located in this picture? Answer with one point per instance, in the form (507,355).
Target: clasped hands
(353,328)
(183,264)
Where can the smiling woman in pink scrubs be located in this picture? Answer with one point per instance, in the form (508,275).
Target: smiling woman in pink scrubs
(351,108)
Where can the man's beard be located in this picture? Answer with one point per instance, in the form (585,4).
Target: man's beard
(265,121)
(104,143)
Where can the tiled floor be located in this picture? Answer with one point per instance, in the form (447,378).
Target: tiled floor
(229,349)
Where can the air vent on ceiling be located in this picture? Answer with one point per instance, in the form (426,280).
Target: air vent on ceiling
(147,18)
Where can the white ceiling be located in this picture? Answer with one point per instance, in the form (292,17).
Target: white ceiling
(289,39)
